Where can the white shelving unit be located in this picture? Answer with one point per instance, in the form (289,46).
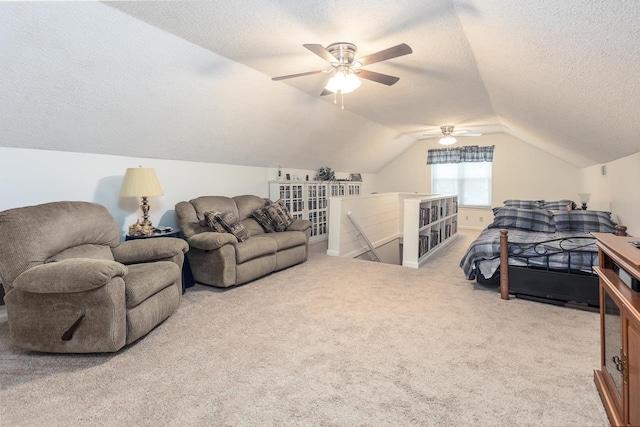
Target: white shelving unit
(430,223)
(308,200)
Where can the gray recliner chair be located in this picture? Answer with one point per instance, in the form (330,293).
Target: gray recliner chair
(72,287)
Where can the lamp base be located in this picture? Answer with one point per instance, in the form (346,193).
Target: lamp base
(141,229)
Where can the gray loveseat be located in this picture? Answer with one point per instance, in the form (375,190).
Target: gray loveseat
(219,259)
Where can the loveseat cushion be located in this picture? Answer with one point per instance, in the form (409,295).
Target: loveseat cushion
(247,204)
(289,239)
(144,280)
(252,226)
(213,203)
(255,247)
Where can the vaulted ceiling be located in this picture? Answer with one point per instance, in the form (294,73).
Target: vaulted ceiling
(191,80)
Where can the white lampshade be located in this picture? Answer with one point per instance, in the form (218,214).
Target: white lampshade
(447,140)
(584,197)
(343,82)
(139,182)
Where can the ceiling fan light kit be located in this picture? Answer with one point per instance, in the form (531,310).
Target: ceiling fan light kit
(341,56)
(447,140)
(448,133)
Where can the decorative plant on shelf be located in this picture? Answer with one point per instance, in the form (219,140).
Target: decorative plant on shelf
(325,173)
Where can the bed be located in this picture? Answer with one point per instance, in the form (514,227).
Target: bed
(540,250)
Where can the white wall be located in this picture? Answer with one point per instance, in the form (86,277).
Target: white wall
(616,191)
(520,171)
(29,177)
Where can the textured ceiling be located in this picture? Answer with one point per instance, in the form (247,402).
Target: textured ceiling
(560,75)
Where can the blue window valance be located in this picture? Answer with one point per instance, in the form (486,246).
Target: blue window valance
(466,154)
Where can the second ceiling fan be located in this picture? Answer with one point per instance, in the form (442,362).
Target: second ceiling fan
(447,137)
(347,69)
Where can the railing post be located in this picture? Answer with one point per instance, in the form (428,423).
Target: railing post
(364,236)
(504,264)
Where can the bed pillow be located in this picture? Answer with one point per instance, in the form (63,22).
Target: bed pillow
(525,219)
(579,220)
(559,205)
(524,204)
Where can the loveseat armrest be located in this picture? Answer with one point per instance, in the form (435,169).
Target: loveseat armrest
(147,250)
(299,225)
(70,275)
(211,240)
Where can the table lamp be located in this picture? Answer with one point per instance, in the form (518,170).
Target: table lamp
(141,182)
(584,199)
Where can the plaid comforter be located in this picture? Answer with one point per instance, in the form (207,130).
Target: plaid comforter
(559,251)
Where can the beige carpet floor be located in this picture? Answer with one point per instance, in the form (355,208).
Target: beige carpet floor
(330,342)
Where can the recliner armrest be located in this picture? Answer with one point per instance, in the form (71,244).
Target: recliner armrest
(211,240)
(299,225)
(146,250)
(70,275)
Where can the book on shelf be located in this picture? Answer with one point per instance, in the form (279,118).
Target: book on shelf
(435,238)
(425,216)
(423,245)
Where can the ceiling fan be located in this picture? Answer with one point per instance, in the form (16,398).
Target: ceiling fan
(448,134)
(347,69)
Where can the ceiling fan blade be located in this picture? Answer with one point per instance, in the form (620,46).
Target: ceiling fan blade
(321,51)
(383,55)
(385,79)
(465,133)
(326,92)
(290,76)
(425,136)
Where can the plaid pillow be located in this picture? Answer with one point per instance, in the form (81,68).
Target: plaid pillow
(579,220)
(280,217)
(262,216)
(523,204)
(525,219)
(211,219)
(230,222)
(559,205)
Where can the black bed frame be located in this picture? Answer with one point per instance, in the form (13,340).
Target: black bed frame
(554,287)
(569,287)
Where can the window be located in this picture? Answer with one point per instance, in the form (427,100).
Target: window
(470,181)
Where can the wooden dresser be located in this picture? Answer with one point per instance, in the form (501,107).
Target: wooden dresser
(618,380)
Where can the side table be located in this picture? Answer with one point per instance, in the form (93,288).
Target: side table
(187,276)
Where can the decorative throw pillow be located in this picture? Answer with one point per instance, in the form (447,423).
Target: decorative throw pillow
(262,216)
(230,222)
(523,204)
(586,221)
(212,220)
(559,205)
(525,219)
(280,217)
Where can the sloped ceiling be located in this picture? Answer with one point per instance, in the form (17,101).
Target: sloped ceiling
(561,75)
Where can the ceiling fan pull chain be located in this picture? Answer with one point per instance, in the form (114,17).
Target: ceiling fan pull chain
(335,98)
(342,100)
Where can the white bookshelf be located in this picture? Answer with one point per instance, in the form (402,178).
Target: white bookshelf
(308,200)
(430,224)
